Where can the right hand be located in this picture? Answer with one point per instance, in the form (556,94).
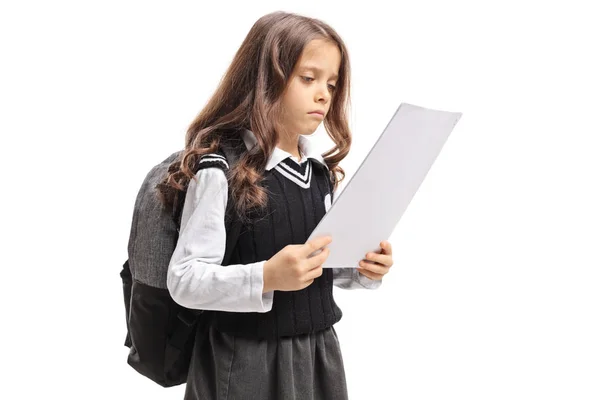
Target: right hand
(292,268)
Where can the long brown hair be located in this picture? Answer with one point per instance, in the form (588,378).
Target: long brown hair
(248,97)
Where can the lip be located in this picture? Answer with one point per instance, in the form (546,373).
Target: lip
(317,112)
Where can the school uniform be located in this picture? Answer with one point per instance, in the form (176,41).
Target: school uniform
(253,345)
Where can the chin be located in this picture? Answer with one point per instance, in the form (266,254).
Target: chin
(309,131)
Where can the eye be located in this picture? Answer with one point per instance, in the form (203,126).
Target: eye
(331,87)
(307,78)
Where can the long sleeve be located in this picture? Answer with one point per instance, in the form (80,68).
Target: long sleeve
(350,278)
(196,279)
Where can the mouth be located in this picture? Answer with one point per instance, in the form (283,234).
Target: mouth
(319,113)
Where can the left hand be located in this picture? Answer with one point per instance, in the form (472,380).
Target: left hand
(376,265)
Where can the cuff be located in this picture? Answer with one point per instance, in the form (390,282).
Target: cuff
(366,282)
(263,301)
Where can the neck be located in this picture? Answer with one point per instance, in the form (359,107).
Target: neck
(290,145)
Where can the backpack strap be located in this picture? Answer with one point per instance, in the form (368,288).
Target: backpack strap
(232,149)
(187,318)
(233,234)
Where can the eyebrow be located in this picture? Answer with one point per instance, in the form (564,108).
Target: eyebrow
(318,70)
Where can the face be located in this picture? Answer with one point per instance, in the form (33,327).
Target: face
(311,87)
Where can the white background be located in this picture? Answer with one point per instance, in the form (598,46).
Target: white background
(495,289)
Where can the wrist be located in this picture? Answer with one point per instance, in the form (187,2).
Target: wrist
(266,278)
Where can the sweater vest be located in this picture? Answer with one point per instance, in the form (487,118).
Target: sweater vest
(297,198)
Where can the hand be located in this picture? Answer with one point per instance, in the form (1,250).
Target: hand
(293,268)
(376,265)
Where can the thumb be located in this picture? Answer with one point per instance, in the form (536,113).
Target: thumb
(313,247)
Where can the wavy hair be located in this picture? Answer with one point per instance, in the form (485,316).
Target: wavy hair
(249,97)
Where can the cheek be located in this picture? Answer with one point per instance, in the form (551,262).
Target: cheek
(296,97)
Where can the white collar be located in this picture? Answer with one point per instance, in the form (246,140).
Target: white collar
(307,149)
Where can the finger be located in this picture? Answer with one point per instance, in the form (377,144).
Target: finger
(370,275)
(382,259)
(306,284)
(314,273)
(319,259)
(386,247)
(378,269)
(313,245)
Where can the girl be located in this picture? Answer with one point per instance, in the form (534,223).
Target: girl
(269,333)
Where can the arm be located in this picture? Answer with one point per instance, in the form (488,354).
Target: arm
(195,277)
(350,278)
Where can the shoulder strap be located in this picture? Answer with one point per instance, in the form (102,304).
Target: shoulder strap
(231,150)
(188,318)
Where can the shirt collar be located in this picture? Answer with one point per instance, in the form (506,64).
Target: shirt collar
(307,149)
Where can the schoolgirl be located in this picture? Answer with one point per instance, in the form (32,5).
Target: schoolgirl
(269,331)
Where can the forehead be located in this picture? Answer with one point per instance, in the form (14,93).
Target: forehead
(321,56)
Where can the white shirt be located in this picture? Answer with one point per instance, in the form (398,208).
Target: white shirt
(196,279)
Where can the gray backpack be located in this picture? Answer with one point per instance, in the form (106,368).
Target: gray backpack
(160,332)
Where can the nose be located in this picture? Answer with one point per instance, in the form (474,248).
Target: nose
(323,95)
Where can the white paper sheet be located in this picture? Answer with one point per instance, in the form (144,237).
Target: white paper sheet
(373,201)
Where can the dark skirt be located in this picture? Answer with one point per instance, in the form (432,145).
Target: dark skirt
(305,367)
